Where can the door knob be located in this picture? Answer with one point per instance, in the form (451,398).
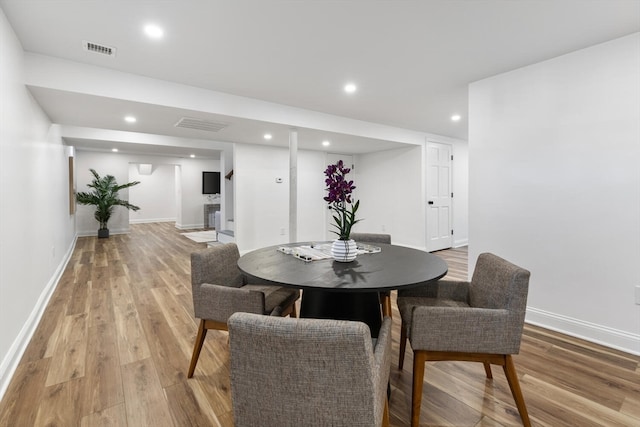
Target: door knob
(430,202)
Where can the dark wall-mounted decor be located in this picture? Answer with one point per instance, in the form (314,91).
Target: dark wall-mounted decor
(210,182)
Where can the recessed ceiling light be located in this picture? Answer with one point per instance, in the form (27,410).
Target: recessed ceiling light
(326,143)
(130,119)
(153,31)
(350,88)
(456,117)
(115,150)
(267,136)
(192,155)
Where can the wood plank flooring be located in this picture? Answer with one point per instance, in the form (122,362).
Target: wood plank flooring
(114,344)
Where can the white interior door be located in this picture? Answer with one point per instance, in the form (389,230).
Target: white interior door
(439,196)
(332,159)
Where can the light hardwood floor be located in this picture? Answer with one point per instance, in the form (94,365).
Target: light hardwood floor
(114,344)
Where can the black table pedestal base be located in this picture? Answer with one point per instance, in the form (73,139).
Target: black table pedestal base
(360,306)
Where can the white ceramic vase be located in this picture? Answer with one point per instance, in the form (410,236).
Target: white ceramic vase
(344,250)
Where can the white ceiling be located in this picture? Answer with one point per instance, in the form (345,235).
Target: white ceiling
(90,111)
(412,60)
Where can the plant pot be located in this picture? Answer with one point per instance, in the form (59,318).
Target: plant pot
(344,250)
(103,233)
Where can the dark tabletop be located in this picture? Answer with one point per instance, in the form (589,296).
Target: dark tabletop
(392,268)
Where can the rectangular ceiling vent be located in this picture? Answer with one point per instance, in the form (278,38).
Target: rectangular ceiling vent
(200,124)
(99,48)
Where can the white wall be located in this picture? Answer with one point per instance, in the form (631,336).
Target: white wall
(312,209)
(555,186)
(191,202)
(104,164)
(390,188)
(178,192)
(155,195)
(389,185)
(261,205)
(226,167)
(187,200)
(36,229)
(460,187)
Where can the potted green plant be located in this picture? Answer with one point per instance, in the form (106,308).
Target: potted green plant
(104,196)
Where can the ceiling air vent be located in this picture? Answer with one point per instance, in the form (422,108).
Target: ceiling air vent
(200,124)
(99,48)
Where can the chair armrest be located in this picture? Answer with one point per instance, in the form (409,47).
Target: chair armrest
(382,360)
(382,350)
(216,302)
(465,329)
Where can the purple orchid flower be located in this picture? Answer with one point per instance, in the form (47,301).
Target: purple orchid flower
(338,197)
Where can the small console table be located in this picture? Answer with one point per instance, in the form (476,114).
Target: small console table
(209,211)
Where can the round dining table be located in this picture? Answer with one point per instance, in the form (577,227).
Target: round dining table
(343,290)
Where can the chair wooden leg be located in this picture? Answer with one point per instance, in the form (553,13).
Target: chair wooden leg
(202,333)
(403,345)
(514,384)
(385,415)
(487,370)
(386,304)
(290,311)
(419,359)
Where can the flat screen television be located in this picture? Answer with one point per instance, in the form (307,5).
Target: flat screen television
(210,182)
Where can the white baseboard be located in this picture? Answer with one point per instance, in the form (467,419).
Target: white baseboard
(17,349)
(460,243)
(189,226)
(151,220)
(614,338)
(94,233)
(418,248)
(457,244)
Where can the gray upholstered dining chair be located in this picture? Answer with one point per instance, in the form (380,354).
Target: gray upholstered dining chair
(385,296)
(308,372)
(219,290)
(477,321)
